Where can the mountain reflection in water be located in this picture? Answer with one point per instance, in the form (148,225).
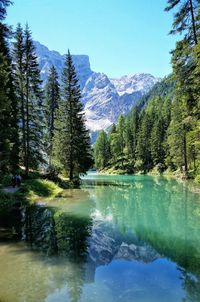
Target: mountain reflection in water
(119,238)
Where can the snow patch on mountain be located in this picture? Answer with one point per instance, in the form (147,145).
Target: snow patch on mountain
(104,99)
(131,83)
(95,122)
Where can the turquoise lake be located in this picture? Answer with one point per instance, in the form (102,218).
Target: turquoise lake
(118,238)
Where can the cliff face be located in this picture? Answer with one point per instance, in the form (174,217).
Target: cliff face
(104,99)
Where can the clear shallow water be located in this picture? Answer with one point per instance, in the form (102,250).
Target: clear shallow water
(119,238)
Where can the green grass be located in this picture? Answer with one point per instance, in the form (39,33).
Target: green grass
(38,188)
(32,190)
(197,179)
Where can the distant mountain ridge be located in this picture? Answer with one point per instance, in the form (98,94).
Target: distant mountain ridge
(104,99)
(47,58)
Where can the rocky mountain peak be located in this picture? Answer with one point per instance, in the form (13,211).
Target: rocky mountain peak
(138,82)
(104,99)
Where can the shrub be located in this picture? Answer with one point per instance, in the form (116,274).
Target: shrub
(138,165)
(197,179)
(6,201)
(5,180)
(160,167)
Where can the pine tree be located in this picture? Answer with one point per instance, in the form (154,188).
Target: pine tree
(157,137)
(113,144)
(31,116)
(131,134)
(177,134)
(183,133)
(102,150)
(196,77)
(52,103)
(121,130)
(5,107)
(72,151)
(3,6)
(143,143)
(19,77)
(186,18)
(8,109)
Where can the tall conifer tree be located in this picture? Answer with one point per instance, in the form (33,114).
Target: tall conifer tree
(8,106)
(52,103)
(185,62)
(185,19)
(71,141)
(102,150)
(28,87)
(19,76)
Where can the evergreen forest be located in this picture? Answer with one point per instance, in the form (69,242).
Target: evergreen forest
(162,131)
(99,175)
(40,127)
(43,127)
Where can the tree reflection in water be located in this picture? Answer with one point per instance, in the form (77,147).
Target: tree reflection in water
(57,232)
(160,213)
(135,219)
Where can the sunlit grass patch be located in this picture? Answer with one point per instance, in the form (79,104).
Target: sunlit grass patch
(35,188)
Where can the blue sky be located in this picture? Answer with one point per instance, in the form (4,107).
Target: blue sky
(120,36)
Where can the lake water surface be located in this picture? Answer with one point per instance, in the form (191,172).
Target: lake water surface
(118,238)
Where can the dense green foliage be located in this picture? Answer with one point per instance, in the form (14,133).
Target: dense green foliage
(38,187)
(8,112)
(52,103)
(163,130)
(71,144)
(28,134)
(102,150)
(29,95)
(138,141)
(186,18)
(184,130)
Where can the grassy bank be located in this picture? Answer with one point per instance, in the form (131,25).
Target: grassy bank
(34,189)
(37,189)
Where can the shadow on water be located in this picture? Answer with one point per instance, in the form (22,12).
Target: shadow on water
(10,223)
(57,233)
(54,238)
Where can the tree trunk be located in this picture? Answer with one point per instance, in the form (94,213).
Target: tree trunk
(193,22)
(71,173)
(51,135)
(27,129)
(71,166)
(185,149)
(23,129)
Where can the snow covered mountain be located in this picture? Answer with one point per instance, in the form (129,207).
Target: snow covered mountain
(104,99)
(100,100)
(138,82)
